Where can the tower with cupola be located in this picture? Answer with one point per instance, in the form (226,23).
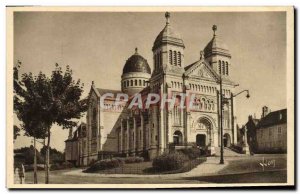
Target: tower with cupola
(168,49)
(217,54)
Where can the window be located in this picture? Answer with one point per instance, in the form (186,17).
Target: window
(135,82)
(131,82)
(144,83)
(127,83)
(223,67)
(226,68)
(279,130)
(179,59)
(140,82)
(219,67)
(160,57)
(175,57)
(170,57)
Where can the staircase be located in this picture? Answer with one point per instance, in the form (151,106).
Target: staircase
(228,152)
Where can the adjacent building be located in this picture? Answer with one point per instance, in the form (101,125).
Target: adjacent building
(267,134)
(271,133)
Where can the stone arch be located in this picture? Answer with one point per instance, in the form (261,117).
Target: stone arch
(177,137)
(227,140)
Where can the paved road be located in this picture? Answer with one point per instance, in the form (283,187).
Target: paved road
(235,170)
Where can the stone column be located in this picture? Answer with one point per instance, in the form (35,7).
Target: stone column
(142,133)
(246,147)
(121,136)
(128,138)
(135,140)
(170,138)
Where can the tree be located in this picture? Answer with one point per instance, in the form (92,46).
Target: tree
(55,155)
(16,132)
(28,106)
(49,100)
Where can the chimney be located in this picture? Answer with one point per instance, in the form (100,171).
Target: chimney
(70,133)
(265,111)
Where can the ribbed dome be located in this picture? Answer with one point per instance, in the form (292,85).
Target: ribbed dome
(136,63)
(168,35)
(216,46)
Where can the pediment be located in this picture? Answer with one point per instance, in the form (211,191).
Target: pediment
(202,71)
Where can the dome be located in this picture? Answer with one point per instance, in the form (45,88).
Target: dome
(168,35)
(136,63)
(216,46)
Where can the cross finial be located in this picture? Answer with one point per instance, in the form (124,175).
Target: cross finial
(214,28)
(167,15)
(136,50)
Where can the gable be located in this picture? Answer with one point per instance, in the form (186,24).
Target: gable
(201,70)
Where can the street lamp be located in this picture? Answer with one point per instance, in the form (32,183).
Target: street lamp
(223,101)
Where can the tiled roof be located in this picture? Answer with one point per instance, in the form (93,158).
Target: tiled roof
(274,118)
(104,91)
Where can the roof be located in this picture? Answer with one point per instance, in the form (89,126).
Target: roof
(274,118)
(168,35)
(136,63)
(225,80)
(104,91)
(216,46)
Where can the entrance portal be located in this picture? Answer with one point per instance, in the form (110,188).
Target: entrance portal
(177,138)
(227,141)
(201,140)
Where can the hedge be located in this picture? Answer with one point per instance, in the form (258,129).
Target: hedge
(103,165)
(171,161)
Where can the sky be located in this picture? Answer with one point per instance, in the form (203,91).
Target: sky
(97,45)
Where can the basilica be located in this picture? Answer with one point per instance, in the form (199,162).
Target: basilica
(119,130)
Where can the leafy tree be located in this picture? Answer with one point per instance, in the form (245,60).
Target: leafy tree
(28,154)
(16,132)
(55,155)
(44,101)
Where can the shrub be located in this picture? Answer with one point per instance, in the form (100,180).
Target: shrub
(136,159)
(172,161)
(103,165)
(121,160)
(191,153)
(64,165)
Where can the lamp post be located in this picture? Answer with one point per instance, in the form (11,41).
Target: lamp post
(223,101)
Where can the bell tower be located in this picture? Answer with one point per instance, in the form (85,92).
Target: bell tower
(168,49)
(217,54)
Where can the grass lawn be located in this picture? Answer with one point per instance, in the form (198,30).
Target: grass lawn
(146,168)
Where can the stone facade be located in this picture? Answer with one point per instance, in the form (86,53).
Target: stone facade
(118,130)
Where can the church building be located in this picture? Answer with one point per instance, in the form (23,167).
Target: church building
(119,130)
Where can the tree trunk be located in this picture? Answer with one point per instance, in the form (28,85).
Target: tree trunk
(34,163)
(47,159)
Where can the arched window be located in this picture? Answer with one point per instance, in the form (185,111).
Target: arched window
(160,58)
(155,61)
(223,67)
(131,82)
(140,82)
(135,82)
(220,67)
(179,58)
(144,83)
(127,83)
(170,57)
(175,57)
(226,68)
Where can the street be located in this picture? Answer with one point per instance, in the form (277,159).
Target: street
(247,169)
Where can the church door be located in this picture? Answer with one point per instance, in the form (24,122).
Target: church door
(201,140)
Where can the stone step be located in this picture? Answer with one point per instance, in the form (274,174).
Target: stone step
(227,152)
